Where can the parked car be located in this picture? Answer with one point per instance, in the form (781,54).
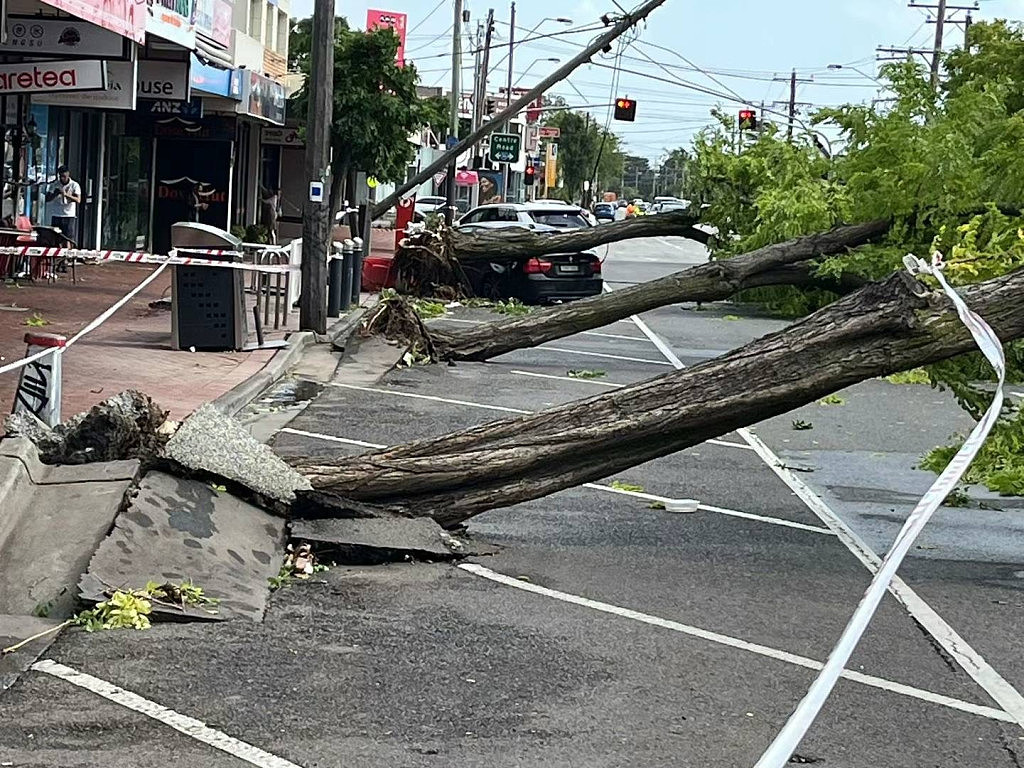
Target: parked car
(430,204)
(549,201)
(555,277)
(604,211)
(670,205)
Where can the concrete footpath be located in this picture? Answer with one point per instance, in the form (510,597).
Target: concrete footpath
(132,350)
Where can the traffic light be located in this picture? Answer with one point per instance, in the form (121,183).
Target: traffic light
(748,120)
(530,175)
(625,109)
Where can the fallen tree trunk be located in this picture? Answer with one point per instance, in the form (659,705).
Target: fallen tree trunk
(466,245)
(713,281)
(883,328)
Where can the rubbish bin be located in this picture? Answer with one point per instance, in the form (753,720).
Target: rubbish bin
(207,303)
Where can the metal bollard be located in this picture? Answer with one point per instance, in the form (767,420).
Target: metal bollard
(335,278)
(345,286)
(357,269)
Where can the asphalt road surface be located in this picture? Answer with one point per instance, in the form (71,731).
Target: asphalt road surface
(605,632)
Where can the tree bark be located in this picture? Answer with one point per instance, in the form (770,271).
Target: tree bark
(883,328)
(466,245)
(706,282)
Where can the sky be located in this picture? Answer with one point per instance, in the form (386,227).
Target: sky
(737,49)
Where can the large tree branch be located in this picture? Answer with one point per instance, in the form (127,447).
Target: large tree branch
(883,328)
(467,245)
(706,282)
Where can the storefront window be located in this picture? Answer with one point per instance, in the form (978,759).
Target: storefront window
(126,190)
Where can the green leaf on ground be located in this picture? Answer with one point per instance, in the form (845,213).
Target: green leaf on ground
(37,320)
(832,400)
(427,309)
(512,307)
(957,498)
(801,425)
(913,376)
(585,374)
(656,505)
(732,317)
(618,485)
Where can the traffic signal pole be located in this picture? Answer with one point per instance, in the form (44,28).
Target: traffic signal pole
(624,24)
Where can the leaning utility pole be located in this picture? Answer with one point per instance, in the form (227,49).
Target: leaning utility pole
(316,223)
(944,14)
(618,28)
(453,127)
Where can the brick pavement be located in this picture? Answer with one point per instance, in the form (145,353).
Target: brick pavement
(131,350)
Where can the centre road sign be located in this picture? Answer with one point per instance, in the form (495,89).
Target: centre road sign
(505,148)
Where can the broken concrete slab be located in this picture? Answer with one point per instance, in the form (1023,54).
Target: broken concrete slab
(177,530)
(366,541)
(210,443)
(52,518)
(14,629)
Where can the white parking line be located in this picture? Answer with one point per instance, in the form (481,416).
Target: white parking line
(972,662)
(604,355)
(594,486)
(732,642)
(598,382)
(329,438)
(182,723)
(432,398)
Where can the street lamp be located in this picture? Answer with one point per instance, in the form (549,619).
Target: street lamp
(531,67)
(855,69)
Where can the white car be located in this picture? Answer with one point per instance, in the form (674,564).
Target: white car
(427,205)
(535,215)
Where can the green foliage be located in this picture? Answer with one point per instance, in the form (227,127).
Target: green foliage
(944,167)
(585,374)
(732,318)
(832,400)
(124,609)
(36,320)
(512,307)
(801,425)
(914,376)
(618,485)
(376,105)
(583,145)
(427,309)
(999,465)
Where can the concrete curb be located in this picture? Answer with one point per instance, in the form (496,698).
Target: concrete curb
(235,399)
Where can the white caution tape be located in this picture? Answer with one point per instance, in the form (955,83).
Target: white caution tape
(141,257)
(780,751)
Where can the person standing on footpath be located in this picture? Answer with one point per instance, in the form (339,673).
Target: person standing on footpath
(68,194)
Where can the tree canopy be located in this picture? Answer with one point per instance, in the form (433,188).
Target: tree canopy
(376,105)
(582,146)
(944,165)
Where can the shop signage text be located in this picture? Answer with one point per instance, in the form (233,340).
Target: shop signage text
(35,36)
(284,137)
(219,82)
(50,76)
(119,94)
(125,17)
(166,80)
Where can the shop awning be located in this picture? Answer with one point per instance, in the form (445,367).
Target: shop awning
(466,178)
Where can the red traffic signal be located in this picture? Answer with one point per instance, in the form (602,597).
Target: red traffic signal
(748,120)
(530,175)
(625,109)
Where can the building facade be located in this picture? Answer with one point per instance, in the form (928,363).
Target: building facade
(156,108)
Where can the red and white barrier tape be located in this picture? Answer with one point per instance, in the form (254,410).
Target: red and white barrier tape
(789,738)
(141,257)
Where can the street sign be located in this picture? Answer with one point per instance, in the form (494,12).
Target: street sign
(505,148)
(550,132)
